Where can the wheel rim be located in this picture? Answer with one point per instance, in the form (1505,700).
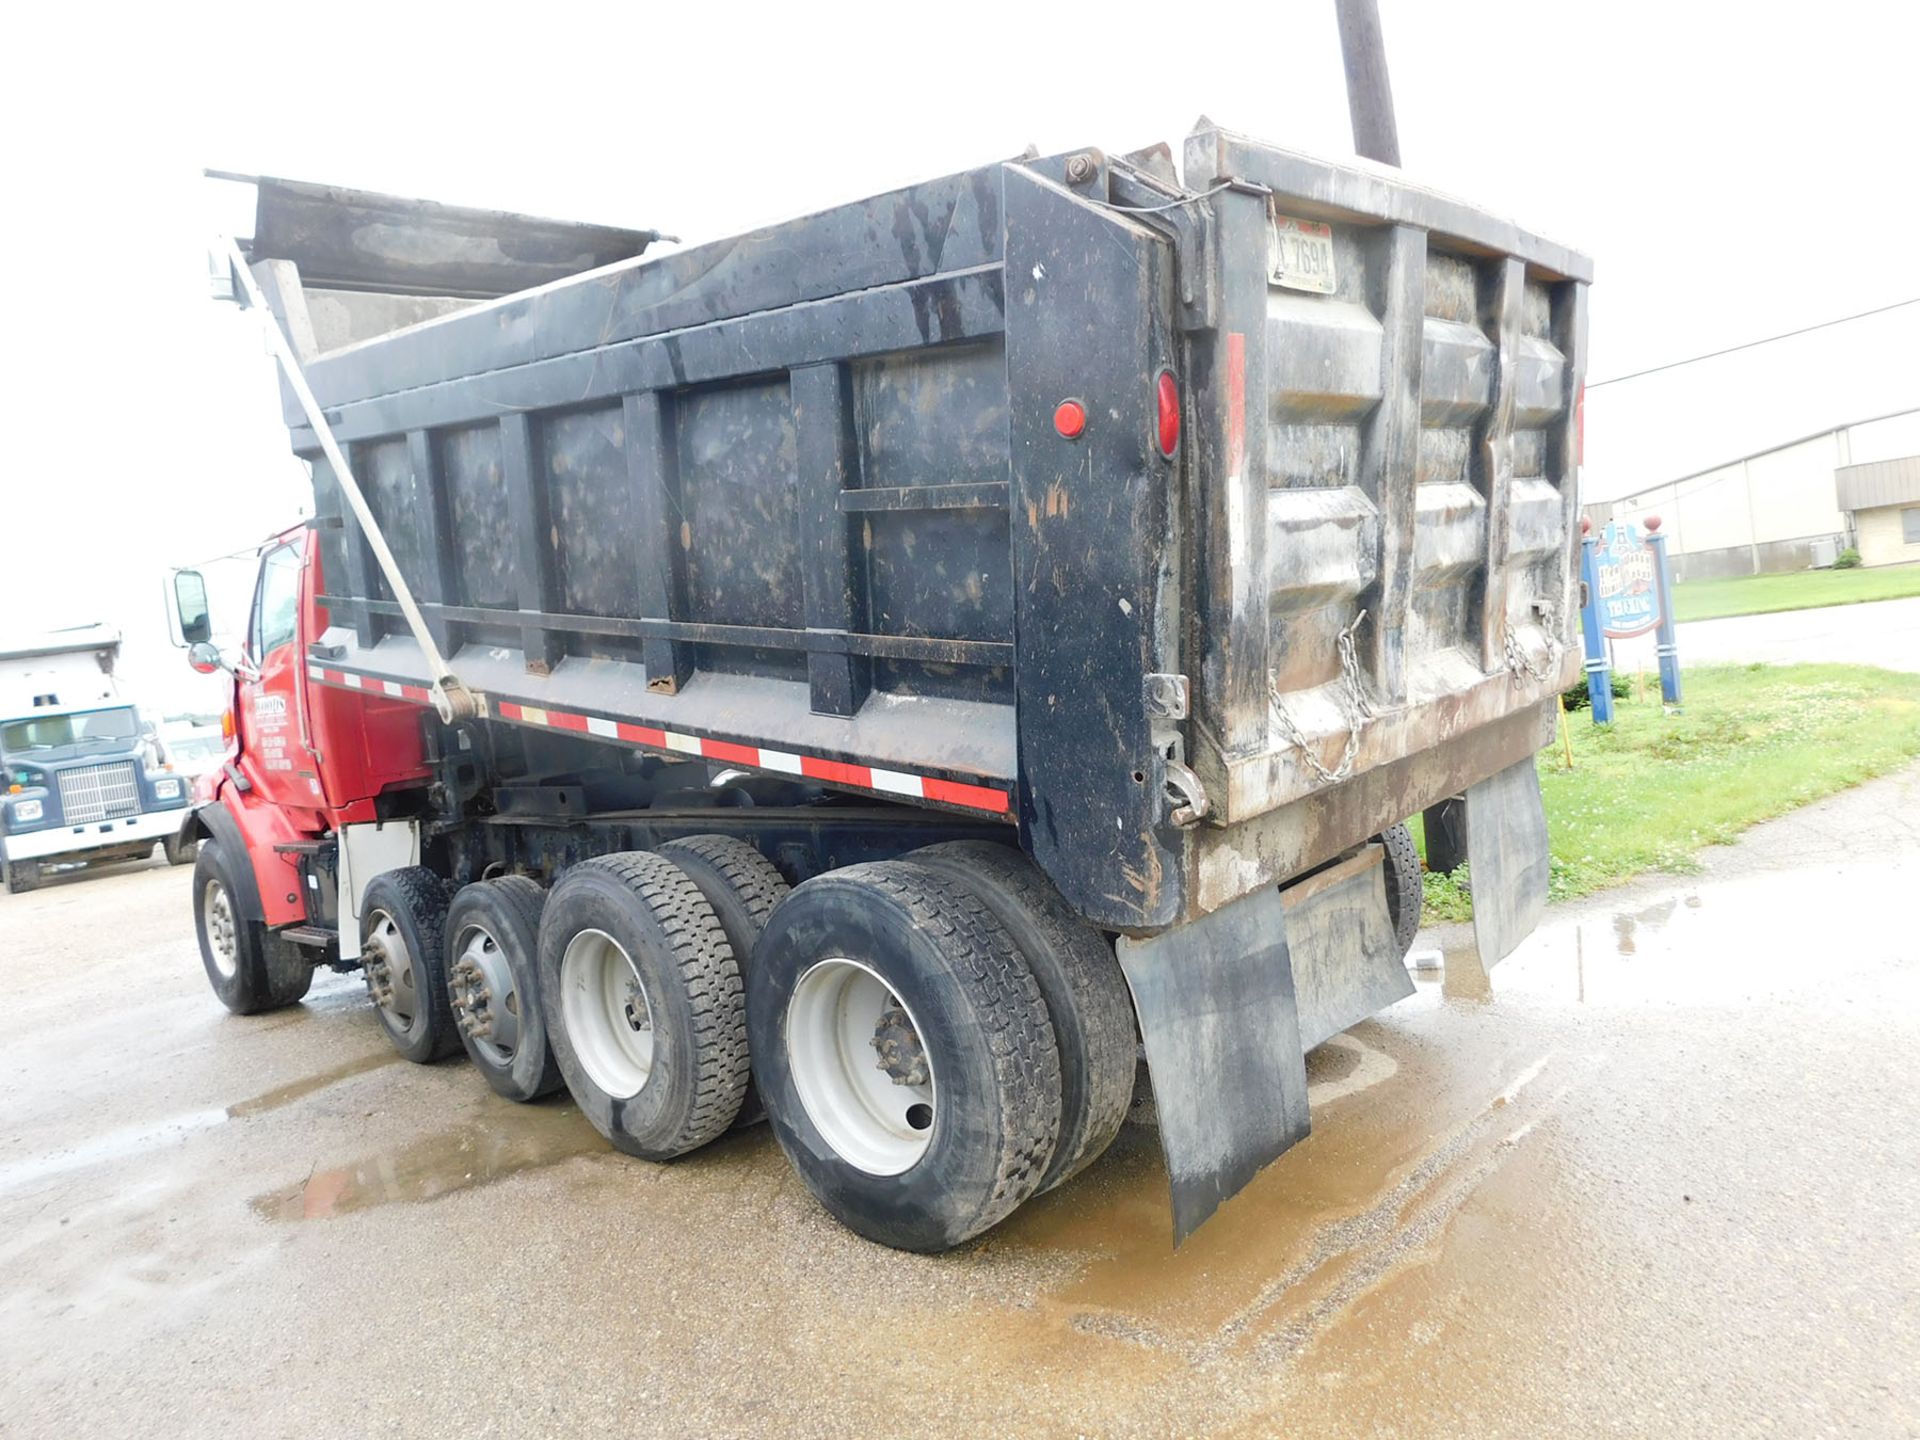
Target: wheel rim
(486,1002)
(216,910)
(861,1071)
(608,1017)
(391,975)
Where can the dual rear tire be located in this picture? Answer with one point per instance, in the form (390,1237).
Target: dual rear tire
(937,1039)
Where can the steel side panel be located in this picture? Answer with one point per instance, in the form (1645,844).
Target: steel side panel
(1217,1011)
(1507,858)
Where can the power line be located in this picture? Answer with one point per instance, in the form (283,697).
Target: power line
(1750,344)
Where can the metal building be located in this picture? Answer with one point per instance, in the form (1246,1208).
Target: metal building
(1794,506)
(1882,501)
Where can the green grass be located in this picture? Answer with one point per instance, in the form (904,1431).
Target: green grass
(1649,791)
(1799,590)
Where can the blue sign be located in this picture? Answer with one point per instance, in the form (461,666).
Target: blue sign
(1626,587)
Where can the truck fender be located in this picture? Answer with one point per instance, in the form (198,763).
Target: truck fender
(215,822)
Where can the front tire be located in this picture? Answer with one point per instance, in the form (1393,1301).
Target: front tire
(904,1053)
(178,851)
(250,969)
(403,949)
(22,876)
(643,1003)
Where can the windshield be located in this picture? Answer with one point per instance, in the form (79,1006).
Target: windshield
(59,732)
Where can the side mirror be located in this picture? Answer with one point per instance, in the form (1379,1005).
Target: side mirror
(204,657)
(190,599)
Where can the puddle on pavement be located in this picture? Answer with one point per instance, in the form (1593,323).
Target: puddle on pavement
(298,1089)
(497,1145)
(1330,1198)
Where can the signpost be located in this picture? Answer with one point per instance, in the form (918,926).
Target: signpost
(1627,593)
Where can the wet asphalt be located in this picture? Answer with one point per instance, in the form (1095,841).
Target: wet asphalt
(1659,1174)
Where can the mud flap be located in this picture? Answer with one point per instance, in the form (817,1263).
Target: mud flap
(1217,1011)
(1506,822)
(1345,959)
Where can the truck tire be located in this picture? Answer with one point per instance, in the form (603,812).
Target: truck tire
(1085,991)
(178,851)
(1405,891)
(251,969)
(22,876)
(905,1054)
(493,985)
(403,949)
(743,888)
(644,1004)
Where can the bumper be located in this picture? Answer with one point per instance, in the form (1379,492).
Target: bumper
(78,839)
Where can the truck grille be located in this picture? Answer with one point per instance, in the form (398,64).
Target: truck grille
(98,792)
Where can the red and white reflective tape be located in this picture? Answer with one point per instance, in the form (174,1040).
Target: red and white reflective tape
(810,767)
(347,679)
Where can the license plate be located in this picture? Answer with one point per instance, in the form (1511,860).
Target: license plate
(1300,255)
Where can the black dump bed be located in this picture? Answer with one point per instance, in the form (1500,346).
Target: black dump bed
(798,501)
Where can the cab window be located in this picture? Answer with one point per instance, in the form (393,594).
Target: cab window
(277,603)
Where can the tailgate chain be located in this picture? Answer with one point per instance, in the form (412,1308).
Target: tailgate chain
(1522,664)
(1353,704)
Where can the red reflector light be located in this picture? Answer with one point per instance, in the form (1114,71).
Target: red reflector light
(1166,396)
(1070,418)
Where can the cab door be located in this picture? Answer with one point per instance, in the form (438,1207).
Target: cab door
(276,751)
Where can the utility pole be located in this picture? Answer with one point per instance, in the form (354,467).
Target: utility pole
(1369,96)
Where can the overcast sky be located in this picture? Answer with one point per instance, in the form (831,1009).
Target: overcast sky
(1734,170)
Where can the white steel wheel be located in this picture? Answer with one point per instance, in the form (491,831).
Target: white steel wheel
(859,1067)
(606,1012)
(216,909)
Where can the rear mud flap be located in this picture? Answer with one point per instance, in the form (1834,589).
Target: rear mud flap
(1216,1006)
(1506,823)
(1230,1004)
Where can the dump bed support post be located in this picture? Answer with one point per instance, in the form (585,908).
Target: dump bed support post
(533,570)
(436,556)
(652,472)
(828,458)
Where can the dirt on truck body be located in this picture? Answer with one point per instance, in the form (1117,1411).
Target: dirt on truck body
(881,669)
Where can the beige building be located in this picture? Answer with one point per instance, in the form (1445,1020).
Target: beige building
(1883,501)
(1788,508)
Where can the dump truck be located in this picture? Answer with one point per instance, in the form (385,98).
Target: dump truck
(897,670)
(80,782)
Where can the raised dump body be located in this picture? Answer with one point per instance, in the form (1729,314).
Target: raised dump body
(1201,526)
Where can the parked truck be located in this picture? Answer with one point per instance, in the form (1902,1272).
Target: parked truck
(80,780)
(897,668)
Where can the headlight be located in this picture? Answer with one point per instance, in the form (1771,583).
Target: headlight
(166,789)
(27,811)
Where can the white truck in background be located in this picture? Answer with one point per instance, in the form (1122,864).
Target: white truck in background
(80,779)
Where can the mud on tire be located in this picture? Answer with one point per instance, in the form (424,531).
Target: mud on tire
(1405,891)
(403,948)
(1085,991)
(891,969)
(250,969)
(644,1005)
(743,887)
(493,979)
